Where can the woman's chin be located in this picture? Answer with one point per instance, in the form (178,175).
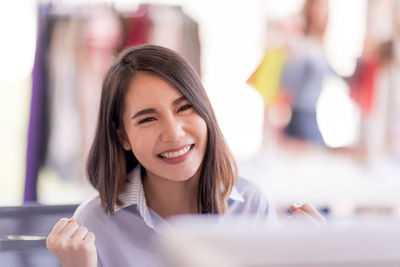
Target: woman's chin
(180,176)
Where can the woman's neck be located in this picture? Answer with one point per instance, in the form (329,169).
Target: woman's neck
(315,34)
(168,198)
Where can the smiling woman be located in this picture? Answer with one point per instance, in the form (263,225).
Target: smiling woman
(142,111)
(168,137)
(158,152)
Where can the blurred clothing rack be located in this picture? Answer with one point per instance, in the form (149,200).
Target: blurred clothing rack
(76,44)
(23,233)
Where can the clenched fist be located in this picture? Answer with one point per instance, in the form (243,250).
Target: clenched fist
(308,213)
(73,245)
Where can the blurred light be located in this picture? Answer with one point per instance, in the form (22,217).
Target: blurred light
(240,119)
(18,42)
(281,9)
(344,37)
(337,116)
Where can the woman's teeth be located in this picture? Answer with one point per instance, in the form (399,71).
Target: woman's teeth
(171,155)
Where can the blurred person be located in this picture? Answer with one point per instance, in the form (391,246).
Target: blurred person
(304,73)
(375,83)
(387,105)
(394,84)
(157,152)
(364,93)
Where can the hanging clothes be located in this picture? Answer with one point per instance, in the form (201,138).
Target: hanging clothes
(75,48)
(100,39)
(38,119)
(64,140)
(191,42)
(362,84)
(138,26)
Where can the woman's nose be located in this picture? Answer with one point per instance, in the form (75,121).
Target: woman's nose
(172,130)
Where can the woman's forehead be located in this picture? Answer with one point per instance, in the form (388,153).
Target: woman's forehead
(146,88)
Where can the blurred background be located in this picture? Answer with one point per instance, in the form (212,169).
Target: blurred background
(307,93)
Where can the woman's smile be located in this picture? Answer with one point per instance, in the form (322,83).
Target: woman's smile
(175,156)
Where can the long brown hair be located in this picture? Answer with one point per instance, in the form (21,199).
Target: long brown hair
(108,163)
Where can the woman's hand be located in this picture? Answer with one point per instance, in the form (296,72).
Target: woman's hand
(307,213)
(73,245)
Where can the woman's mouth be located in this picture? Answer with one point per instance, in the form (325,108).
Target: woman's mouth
(176,154)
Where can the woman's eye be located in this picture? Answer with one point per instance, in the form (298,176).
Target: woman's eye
(185,107)
(148,119)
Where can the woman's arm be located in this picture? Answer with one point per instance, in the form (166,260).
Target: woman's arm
(73,245)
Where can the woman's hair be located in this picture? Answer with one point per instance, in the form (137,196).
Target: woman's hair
(108,162)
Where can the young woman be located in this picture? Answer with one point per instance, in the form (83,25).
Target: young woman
(157,152)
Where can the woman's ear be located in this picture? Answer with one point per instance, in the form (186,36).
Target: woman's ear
(123,140)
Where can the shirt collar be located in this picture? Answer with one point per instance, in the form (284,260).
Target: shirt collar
(134,195)
(235,195)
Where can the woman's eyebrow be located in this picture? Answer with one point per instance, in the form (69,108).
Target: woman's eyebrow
(144,112)
(152,110)
(179,100)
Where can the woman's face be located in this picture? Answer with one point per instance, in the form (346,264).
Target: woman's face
(166,134)
(319,13)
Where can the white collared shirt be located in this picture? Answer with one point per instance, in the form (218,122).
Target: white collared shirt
(124,238)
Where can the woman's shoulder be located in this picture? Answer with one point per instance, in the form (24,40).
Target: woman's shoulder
(250,198)
(247,187)
(89,210)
